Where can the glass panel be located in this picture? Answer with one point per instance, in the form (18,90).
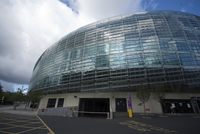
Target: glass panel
(102,61)
(152,59)
(135,60)
(133,46)
(167,45)
(88,64)
(170,59)
(103,49)
(186,59)
(117,60)
(182,46)
(195,47)
(76,53)
(90,51)
(116,47)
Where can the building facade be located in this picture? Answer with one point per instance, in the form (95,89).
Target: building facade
(98,67)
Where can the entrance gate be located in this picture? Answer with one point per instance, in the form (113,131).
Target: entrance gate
(94,107)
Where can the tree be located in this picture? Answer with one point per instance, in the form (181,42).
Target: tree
(1,94)
(159,91)
(12,97)
(143,95)
(159,95)
(34,96)
(1,88)
(19,95)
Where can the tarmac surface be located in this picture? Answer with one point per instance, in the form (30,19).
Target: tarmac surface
(21,124)
(140,124)
(26,122)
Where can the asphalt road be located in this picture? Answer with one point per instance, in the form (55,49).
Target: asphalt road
(21,124)
(180,124)
(140,124)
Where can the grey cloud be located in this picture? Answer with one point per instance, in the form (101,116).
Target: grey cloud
(7,86)
(27,29)
(71,4)
(99,9)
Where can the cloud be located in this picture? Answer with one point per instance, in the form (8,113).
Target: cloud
(71,4)
(28,27)
(183,9)
(7,86)
(99,9)
(149,5)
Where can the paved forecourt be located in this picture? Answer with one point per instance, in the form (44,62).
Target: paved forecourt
(140,124)
(22,124)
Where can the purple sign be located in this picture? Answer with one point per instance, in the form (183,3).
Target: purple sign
(129,102)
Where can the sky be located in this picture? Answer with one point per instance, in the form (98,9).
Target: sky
(29,27)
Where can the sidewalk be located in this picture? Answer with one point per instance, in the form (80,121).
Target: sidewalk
(19,110)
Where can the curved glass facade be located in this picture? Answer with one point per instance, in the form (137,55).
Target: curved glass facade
(124,53)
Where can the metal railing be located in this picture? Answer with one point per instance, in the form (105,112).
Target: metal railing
(109,115)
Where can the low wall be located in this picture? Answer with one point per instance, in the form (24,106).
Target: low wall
(59,111)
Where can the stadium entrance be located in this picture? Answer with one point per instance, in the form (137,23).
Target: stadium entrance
(94,107)
(181,105)
(177,106)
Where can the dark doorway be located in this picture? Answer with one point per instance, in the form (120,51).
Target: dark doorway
(94,107)
(51,103)
(196,104)
(121,105)
(177,106)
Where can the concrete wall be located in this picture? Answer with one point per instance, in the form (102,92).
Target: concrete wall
(153,105)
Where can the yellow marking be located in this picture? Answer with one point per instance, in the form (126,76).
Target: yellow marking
(28,130)
(34,122)
(12,123)
(139,128)
(6,122)
(42,127)
(22,126)
(18,120)
(7,132)
(6,128)
(145,127)
(51,131)
(25,123)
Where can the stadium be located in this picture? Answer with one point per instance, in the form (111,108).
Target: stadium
(105,66)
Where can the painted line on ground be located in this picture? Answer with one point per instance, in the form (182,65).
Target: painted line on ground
(51,131)
(143,127)
(22,126)
(13,116)
(5,132)
(28,130)
(17,120)
(14,124)
(6,128)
